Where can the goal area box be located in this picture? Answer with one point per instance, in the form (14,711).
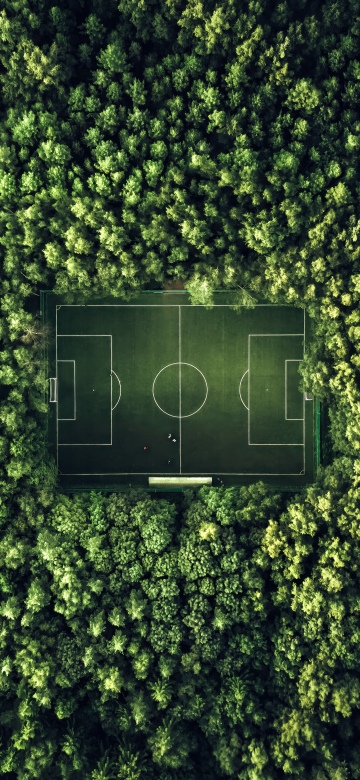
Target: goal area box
(159,393)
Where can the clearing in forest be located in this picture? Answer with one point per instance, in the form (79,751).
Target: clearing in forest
(225,384)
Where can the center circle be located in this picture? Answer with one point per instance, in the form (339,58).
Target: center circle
(180,390)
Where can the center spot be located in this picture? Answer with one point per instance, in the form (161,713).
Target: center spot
(180,390)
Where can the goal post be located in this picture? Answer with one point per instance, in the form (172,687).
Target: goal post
(52,388)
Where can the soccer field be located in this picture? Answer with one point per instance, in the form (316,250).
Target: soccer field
(124,376)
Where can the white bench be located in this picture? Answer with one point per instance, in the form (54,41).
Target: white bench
(185,481)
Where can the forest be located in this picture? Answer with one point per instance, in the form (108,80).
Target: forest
(213,633)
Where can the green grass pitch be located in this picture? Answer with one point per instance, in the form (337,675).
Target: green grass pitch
(124,376)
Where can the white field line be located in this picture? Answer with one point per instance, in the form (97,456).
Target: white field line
(129,474)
